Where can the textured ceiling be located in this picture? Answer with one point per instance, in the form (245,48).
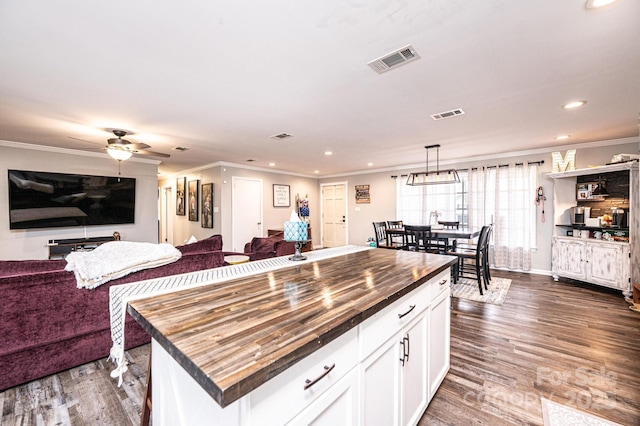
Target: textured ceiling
(221,77)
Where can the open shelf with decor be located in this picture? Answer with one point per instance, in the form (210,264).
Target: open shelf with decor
(609,254)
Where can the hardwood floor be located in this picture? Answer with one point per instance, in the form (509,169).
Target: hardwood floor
(572,343)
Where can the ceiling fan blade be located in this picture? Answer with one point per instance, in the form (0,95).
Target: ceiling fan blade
(150,153)
(138,146)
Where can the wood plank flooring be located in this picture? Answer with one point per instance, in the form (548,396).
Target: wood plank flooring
(572,343)
(575,344)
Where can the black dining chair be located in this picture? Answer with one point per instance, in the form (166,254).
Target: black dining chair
(473,262)
(449,224)
(380,232)
(396,224)
(419,238)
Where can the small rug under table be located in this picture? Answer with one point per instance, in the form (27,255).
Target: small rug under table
(496,293)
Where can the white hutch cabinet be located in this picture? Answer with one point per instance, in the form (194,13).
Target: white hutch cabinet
(614,264)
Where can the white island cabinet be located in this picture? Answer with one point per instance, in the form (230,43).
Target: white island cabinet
(382,371)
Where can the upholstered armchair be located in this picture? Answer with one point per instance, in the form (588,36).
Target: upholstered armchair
(265,247)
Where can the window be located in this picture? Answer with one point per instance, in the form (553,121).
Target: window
(415,204)
(502,196)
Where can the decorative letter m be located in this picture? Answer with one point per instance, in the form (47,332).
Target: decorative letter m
(564,164)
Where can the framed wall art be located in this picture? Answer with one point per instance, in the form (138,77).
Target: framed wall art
(181,183)
(207,205)
(362,194)
(193,199)
(281,196)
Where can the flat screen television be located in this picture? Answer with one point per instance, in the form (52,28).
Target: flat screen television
(49,200)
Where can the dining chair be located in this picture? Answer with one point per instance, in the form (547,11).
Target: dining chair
(380,232)
(474,260)
(396,224)
(418,238)
(449,224)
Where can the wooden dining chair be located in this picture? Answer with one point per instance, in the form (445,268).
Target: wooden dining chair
(449,224)
(396,224)
(419,238)
(380,232)
(473,262)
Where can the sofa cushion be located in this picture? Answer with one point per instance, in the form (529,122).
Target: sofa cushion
(212,243)
(9,268)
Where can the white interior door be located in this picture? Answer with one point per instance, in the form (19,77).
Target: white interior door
(246,211)
(334,215)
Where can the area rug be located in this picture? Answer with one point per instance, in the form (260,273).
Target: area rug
(467,288)
(555,414)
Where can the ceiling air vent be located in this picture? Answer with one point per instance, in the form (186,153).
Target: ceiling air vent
(447,114)
(394,59)
(282,136)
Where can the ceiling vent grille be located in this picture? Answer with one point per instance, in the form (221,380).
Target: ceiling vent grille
(394,59)
(447,114)
(282,136)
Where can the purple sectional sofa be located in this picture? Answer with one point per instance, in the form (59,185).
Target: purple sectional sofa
(266,247)
(49,325)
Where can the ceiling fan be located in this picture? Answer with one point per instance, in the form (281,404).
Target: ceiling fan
(122,149)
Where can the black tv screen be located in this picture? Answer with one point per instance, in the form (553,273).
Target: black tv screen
(48,200)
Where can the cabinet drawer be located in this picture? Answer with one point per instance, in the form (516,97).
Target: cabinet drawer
(440,283)
(283,397)
(384,324)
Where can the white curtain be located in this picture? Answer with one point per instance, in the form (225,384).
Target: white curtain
(415,204)
(505,197)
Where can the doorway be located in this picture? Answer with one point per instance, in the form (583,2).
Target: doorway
(246,211)
(166,208)
(334,214)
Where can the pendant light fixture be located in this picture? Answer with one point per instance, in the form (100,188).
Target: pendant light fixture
(430,177)
(600,190)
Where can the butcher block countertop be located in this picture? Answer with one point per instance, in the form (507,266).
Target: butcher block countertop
(233,336)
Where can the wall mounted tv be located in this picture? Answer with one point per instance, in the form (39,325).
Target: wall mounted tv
(49,200)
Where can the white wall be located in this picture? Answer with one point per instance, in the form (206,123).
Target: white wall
(221,175)
(383,190)
(31,244)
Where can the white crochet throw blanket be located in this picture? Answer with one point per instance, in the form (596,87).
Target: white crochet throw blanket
(116,259)
(121,295)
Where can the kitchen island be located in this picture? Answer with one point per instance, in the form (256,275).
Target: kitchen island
(363,335)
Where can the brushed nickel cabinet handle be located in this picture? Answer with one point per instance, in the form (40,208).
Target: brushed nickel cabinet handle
(308,383)
(411,308)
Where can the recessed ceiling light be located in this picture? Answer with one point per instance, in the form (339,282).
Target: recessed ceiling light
(594,4)
(316,171)
(272,164)
(574,104)
(369,164)
(328,153)
(562,137)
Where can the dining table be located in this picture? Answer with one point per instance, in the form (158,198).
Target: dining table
(439,232)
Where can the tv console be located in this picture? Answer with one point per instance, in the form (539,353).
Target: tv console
(59,249)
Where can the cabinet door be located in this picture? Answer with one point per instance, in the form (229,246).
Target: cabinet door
(337,406)
(414,371)
(380,384)
(606,265)
(439,341)
(569,258)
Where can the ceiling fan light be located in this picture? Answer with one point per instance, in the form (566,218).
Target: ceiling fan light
(594,4)
(119,154)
